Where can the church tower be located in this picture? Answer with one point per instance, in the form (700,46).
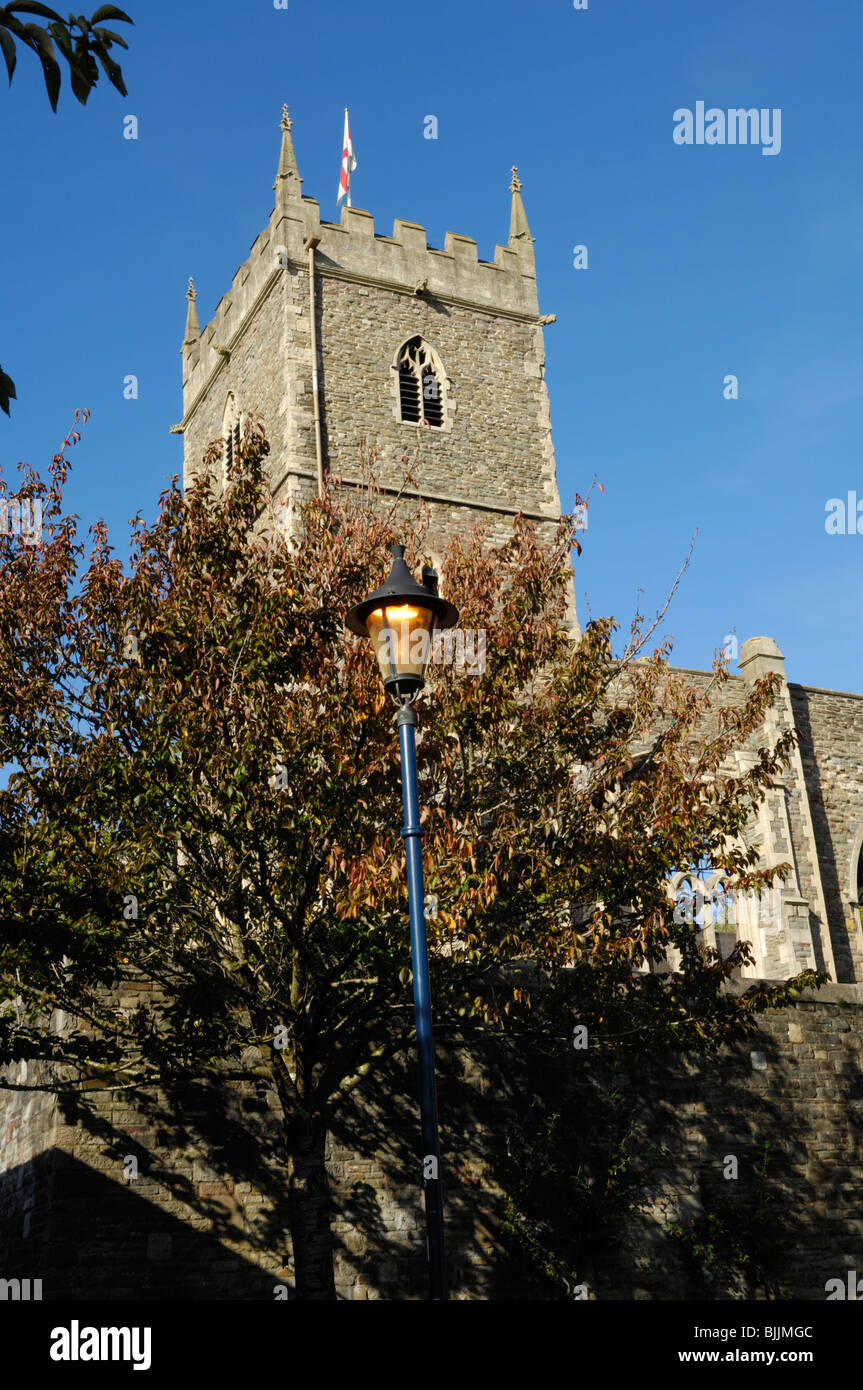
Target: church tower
(342,339)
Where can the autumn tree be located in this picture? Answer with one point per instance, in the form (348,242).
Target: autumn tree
(204,793)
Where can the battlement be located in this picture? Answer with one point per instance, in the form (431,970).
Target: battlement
(405,261)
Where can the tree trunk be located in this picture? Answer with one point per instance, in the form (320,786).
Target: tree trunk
(309,1211)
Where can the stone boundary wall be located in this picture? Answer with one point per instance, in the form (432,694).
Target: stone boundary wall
(205,1217)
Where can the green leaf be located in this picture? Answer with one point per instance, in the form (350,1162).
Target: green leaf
(109,12)
(7,391)
(83,75)
(112,72)
(61,37)
(44,49)
(108,37)
(32,7)
(9,53)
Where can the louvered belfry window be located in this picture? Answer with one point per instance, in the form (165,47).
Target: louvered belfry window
(231,436)
(232,446)
(420,392)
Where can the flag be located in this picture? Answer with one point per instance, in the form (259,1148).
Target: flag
(348,164)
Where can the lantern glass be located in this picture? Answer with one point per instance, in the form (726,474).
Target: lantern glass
(401,637)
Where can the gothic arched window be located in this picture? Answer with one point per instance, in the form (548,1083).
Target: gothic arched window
(420,385)
(689,903)
(860,876)
(703,898)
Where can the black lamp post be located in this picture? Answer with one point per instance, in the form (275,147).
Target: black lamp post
(400,618)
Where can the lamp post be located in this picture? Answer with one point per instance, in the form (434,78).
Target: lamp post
(400,618)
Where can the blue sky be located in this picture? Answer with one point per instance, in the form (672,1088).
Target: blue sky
(703,261)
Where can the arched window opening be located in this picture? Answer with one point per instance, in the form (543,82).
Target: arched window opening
(232,446)
(703,898)
(688,903)
(710,906)
(860,876)
(420,387)
(231,435)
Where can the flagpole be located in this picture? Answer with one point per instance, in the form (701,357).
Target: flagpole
(348,165)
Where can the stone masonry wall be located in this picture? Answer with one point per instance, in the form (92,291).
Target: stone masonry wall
(255,373)
(205,1216)
(493,451)
(831,723)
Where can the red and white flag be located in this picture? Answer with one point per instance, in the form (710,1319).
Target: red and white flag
(349,164)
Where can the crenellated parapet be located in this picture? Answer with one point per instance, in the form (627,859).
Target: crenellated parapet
(406,262)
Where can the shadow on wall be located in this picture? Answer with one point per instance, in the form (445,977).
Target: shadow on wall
(92,1237)
(565,1178)
(834,877)
(206,1215)
(559,1172)
(623,1176)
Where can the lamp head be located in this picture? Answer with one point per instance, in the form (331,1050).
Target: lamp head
(400,618)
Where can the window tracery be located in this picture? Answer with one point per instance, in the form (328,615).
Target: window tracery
(420,385)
